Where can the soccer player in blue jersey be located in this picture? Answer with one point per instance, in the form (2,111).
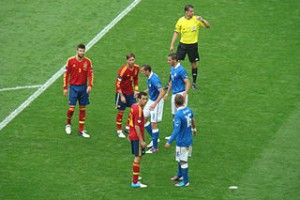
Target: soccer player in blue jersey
(184,129)
(179,82)
(154,106)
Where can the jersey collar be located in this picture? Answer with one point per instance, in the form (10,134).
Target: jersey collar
(150,75)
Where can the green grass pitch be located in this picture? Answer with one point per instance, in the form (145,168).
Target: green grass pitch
(247,106)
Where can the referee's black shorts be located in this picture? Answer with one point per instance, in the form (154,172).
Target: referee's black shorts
(190,49)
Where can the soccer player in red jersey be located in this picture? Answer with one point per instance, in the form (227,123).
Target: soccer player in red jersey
(79,75)
(137,137)
(126,90)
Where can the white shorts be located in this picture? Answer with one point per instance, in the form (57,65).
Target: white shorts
(173,107)
(183,153)
(156,114)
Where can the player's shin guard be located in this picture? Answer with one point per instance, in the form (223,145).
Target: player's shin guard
(135,172)
(155,134)
(148,128)
(119,118)
(81,118)
(70,113)
(194,73)
(184,171)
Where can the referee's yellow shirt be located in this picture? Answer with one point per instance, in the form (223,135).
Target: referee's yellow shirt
(189,29)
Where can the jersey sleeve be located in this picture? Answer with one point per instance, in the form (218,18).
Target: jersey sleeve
(138,116)
(178,26)
(183,74)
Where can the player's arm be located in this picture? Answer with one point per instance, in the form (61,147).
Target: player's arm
(177,124)
(204,22)
(136,83)
(194,126)
(90,79)
(147,90)
(139,134)
(118,86)
(187,86)
(174,38)
(160,96)
(168,91)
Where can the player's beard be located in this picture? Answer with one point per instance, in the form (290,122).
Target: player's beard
(80,56)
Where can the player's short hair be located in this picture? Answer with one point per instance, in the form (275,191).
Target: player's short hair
(173,56)
(179,100)
(188,7)
(81,46)
(147,67)
(130,55)
(139,96)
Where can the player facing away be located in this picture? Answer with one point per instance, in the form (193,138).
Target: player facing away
(154,106)
(126,90)
(137,137)
(179,82)
(188,27)
(79,75)
(184,129)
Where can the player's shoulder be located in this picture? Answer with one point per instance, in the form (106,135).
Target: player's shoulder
(71,58)
(136,66)
(88,59)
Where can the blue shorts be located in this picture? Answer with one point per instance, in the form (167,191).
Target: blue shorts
(136,149)
(78,92)
(129,101)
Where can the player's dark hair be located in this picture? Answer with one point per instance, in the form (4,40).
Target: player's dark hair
(179,100)
(147,67)
(173,56)
(188,7)
(139,96)
(130,55)
(81,46)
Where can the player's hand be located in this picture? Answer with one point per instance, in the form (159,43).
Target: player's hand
(166,97)
(65,92)
(167,145)
(89,89)
(143,144)
(135,94)
(123,99)
(152,106)
(200,18)
(194,131)
(172,48)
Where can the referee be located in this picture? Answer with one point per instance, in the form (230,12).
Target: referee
(188,26)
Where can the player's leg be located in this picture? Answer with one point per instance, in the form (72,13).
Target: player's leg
(182,157)
(71,109)
(181,51)
(194,57)
(146,112)
(120,106)
(83,101)
(138,152)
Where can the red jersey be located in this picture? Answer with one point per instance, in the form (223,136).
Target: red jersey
(126,77)
(136,118)
(78,72)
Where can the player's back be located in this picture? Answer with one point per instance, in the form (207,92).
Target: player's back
(185,115)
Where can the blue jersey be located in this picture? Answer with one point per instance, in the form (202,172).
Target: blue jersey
(178,75)
(183,127)
(154,85)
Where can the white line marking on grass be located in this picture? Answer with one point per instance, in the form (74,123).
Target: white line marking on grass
(48,83)
(20,87)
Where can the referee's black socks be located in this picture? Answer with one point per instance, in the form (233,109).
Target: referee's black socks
(194,73)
